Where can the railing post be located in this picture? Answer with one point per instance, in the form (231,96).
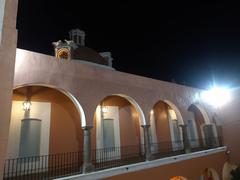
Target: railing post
(146,142)
(186,142)
(87,161)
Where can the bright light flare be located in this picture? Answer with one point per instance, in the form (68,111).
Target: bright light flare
(217,96)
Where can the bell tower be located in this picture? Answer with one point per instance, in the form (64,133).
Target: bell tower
(77,36)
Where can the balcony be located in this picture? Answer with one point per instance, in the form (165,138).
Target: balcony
(68,164)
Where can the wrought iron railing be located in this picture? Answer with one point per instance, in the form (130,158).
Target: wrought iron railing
(43,167)
(206,143)
(165,149)
(66,164)
(117,156)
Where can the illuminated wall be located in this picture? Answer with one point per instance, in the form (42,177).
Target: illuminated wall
(39,110)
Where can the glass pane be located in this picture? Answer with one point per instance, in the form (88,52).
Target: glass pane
(108,133)
(30,137)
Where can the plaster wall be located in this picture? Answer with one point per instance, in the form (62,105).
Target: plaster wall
(90,84)
(7,62)
(165,172)
(230,115)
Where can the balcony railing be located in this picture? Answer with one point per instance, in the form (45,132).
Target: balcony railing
(66,164)
(203,144)
(43,167)
(165,149)
(117,156)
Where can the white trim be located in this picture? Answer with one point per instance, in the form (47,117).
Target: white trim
(144,165)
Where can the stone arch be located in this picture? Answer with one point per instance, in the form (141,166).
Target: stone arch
(203,112)
(68,94)
(162,128)
(121,108)
(175,108)
(205,129)
(136,105)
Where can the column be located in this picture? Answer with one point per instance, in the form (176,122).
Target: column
(87,161)
(146,142)
(187,146)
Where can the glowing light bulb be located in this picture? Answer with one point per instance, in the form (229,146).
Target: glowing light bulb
(104,109)
(26,105)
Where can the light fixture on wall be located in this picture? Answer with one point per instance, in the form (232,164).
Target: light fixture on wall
(27,105)
(104,109)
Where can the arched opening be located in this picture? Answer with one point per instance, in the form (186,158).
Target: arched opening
(165,131)
(178,178)
(45,129)
(209,174)
(202,133)
(117,130)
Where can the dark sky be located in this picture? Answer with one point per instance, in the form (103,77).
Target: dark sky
(195,44)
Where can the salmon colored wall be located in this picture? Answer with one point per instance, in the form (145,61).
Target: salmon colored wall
(183,168)
(129,127)
(162,123)
(128,122)
(65,127)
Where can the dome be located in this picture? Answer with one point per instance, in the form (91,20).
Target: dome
(88,54)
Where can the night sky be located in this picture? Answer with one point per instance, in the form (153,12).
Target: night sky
(194,44)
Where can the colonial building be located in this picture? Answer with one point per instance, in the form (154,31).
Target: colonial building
(73,116)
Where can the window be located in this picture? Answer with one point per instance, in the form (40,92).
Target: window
(30,137)
(108,133)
